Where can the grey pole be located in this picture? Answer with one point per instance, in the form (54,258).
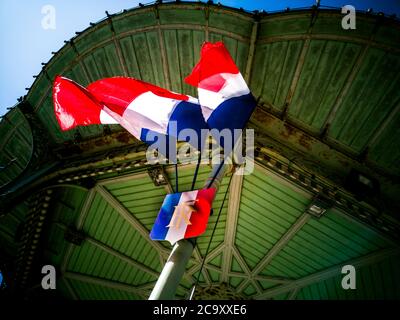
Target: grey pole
(175,266)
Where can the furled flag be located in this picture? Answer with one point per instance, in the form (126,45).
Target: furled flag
(137,106)
(226,100)
(183,215)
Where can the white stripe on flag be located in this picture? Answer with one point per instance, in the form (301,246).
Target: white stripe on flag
(174,234)
(235,86)
(105,118)
(155,108)
(131,126)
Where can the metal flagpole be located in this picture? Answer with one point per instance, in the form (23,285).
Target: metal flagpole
(175,266)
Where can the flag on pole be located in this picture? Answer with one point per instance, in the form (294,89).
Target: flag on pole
(183,215)
(226,100)
(137,106)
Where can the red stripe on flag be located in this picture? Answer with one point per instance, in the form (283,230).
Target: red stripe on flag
(200,217)
(214,59)
(118,92)
(74,105)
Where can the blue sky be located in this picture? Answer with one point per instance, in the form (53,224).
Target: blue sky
(25,44)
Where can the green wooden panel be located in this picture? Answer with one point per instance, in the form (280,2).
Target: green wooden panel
(386,150)
(322,243)
(326,67)
(93,36)
(276,64)
(362,106)
(134,20)
(388,33)
(39,88)
(60,62)
(185,16)
(281,25)
(225,21)
(373,282)
(88,291)
(143,56)
(129,54)
(16,145)
(216,261)
(234,282)
(267,211)
(330,23)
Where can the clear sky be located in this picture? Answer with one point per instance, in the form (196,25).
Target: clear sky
(25,44)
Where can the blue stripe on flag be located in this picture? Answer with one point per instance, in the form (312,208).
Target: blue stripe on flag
(188,115)
(232,113)
(159,231)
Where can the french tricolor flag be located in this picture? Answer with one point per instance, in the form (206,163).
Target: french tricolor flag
(183,215)
(226,100)
(137,106)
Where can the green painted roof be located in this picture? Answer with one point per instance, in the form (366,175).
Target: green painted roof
(116,261)
(327,102)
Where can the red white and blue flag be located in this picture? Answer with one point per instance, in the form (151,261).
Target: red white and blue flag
(225,102)
(224,96)
(183,215)
(137,106)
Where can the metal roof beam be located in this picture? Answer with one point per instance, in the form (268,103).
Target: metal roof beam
(122,257)
(129,217)
(70,289)
(330,272)
(389,118)
(250,57)
(198,257)
(293,294)
(247,270)
(296,76)
(349,82)
(343,93)
(78,225)
(105,283)
(290,233)
(163,51)
(214,253)
(123,178)
(117,46)
(300,222)
(235,193)
(300,64)
(272,279)
(209,257)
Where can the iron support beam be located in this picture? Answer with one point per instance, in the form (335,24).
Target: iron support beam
(104,283)
(231,222)
(330,272)
(78,225)
(129,217)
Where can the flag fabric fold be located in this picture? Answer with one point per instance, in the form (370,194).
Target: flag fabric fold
(75,106)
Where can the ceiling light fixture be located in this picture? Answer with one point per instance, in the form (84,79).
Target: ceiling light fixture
(318,206)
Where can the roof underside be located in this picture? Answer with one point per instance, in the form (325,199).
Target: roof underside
(337,87)
(264,258)
(335,90)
